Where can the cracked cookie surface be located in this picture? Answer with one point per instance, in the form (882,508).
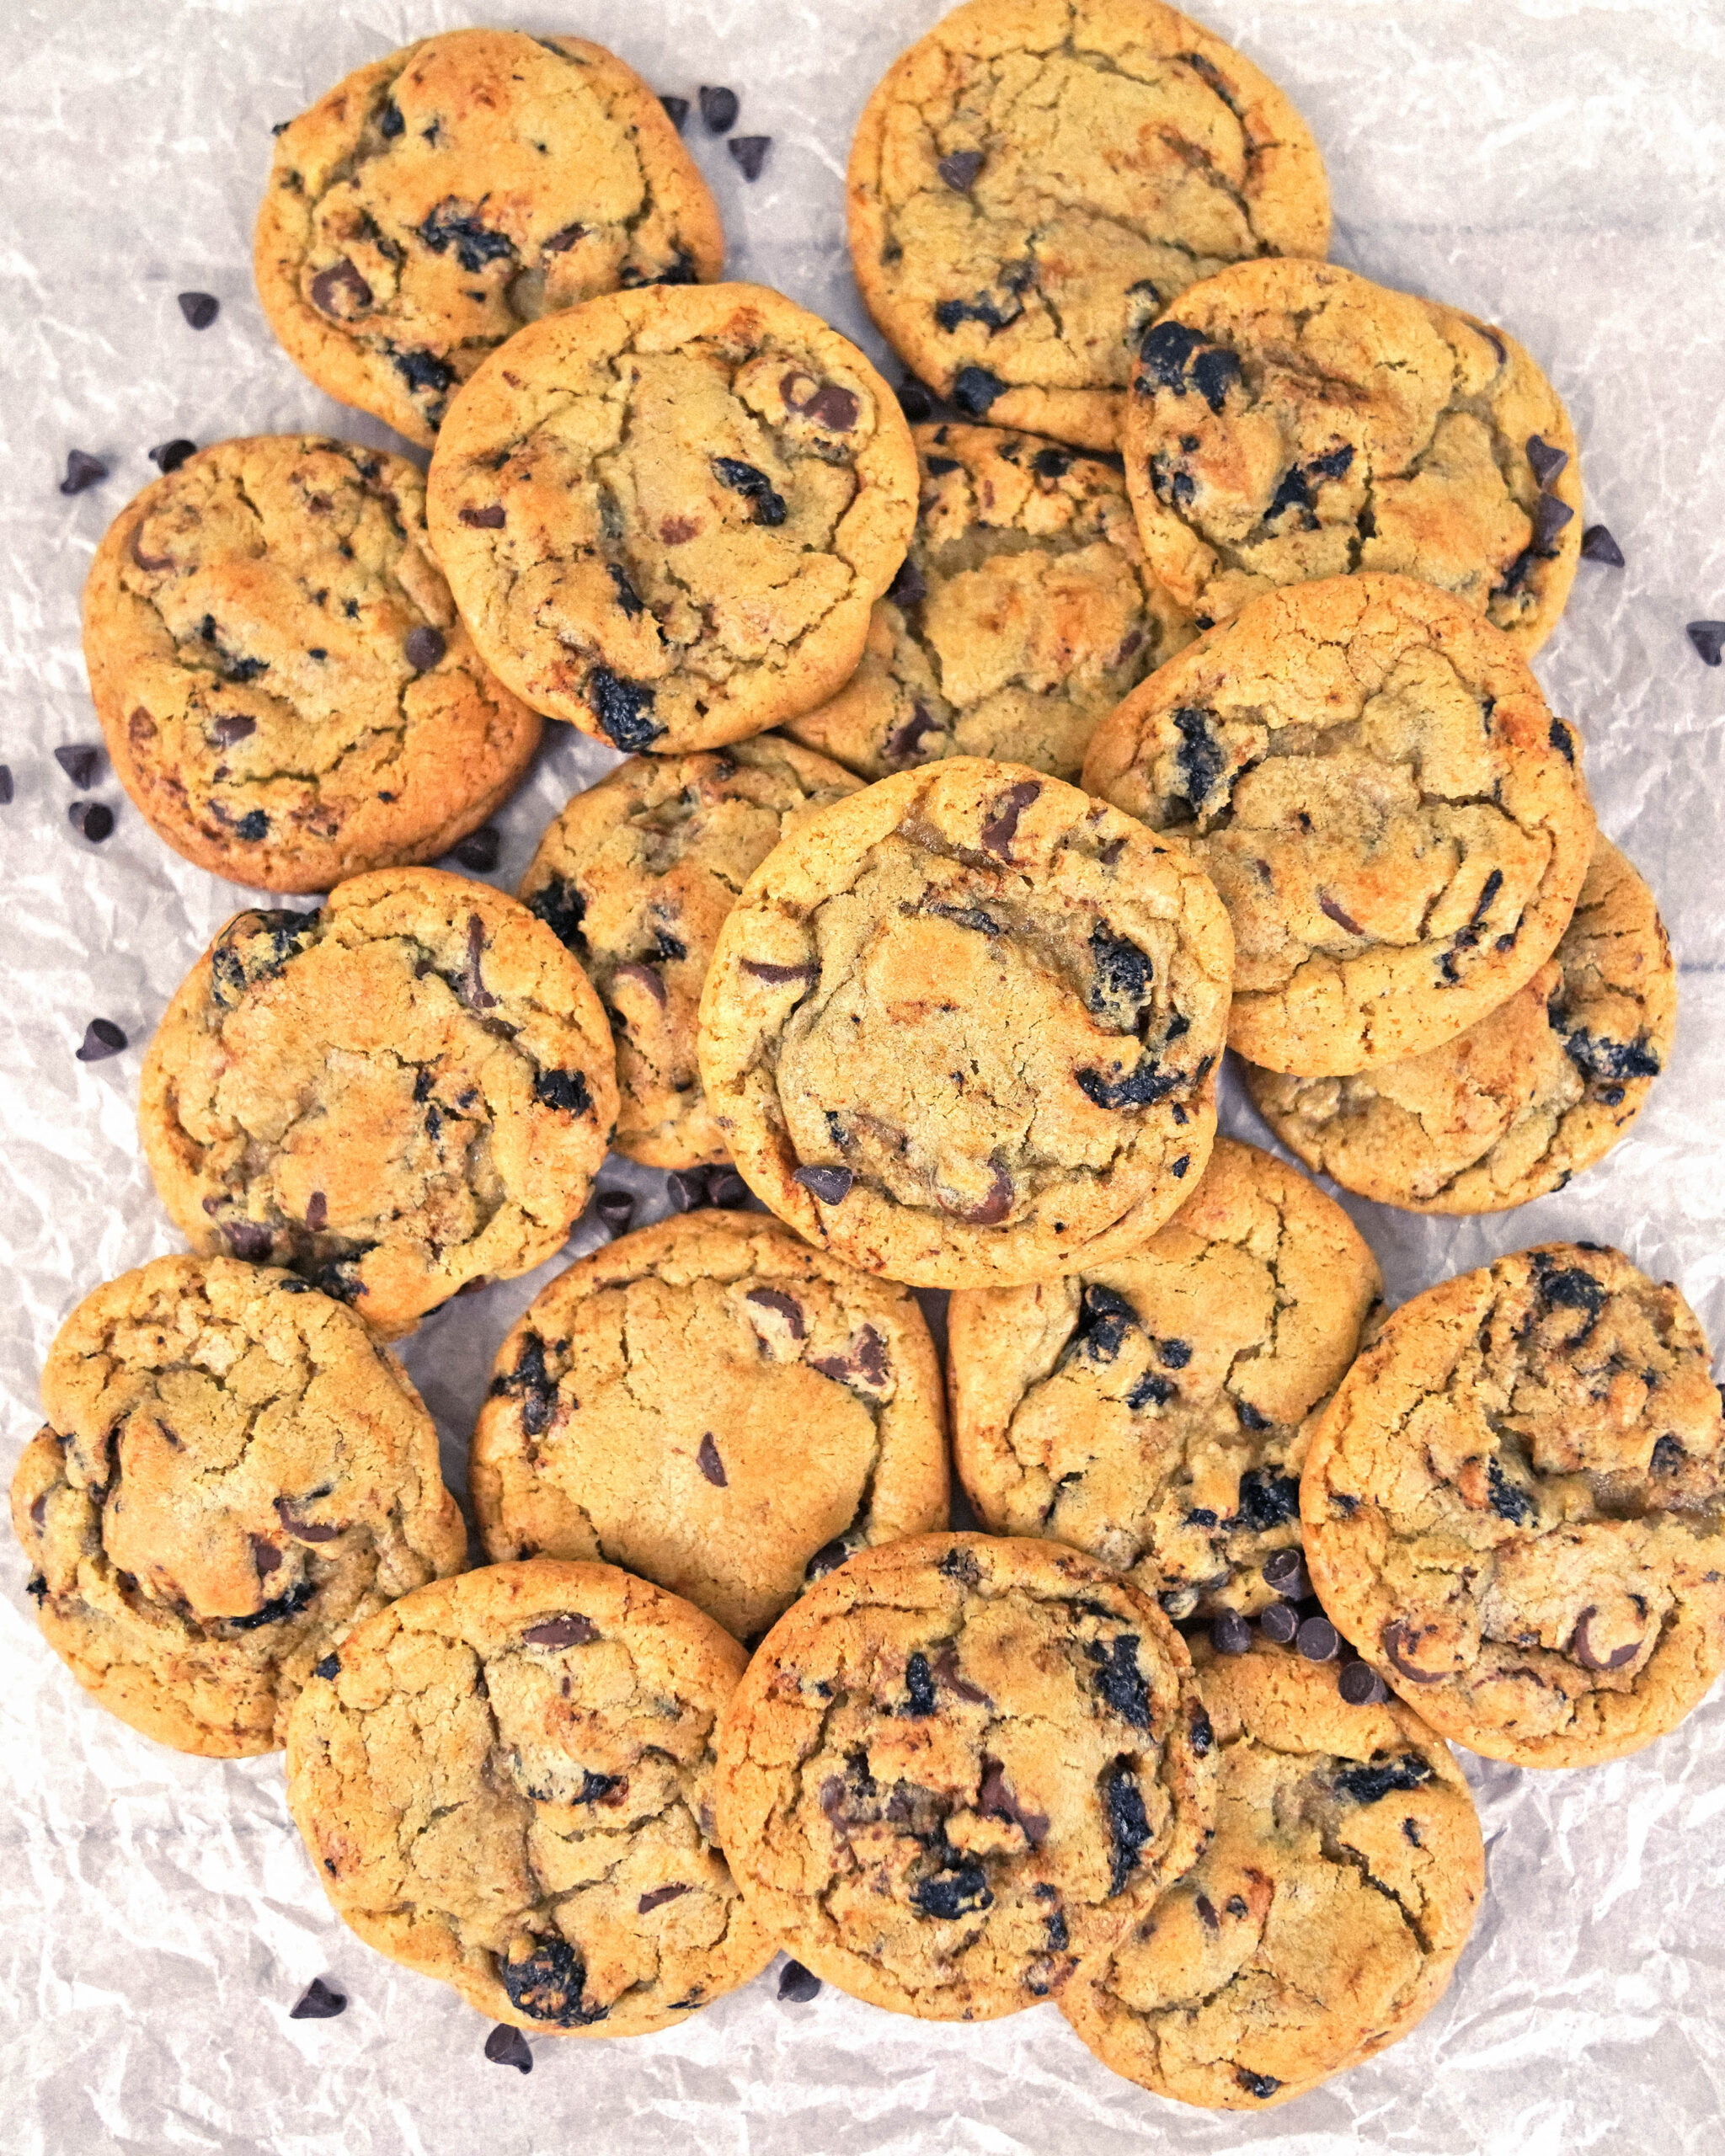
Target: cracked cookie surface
(962,1028)
(958,1764)
(636,875)
(405,1091)
(232,1474)
(1023,613)
(667,515)
(1031,182)
(283,682)
(506,1786)
(1324,1919)
(1290,420)
(1514,1507)
(1155,1410)
(433,202)
(1397,826)
(714,1405)
(1538,1089)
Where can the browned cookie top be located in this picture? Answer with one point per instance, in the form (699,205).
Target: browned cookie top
(434,201)
(1396,823)
(1288,420)
(1514,1507)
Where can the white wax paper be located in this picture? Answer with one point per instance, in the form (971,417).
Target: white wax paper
(1551,164)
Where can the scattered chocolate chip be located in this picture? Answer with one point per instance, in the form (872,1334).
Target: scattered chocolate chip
(915,401)
(1230,1633)
(1708,637)
(424,648)
(478,849)
(677,110)
(797,1985)
(975,389)
(1128,1825)
(1550,516)
(686,1189)
(627,597)
(390,122)
(719,107)
(252,826)
(1396,1638)
(507,2046)
(1256,2084)
(317,2002)
(1001,826)
(169,455)
(225,732)
(1285,1570)
(79,762)
(200,309)
(624,710)
(711,1465)
(726,1187)
(750,152)
(753,485)
(1581,1645)
(831,1186)
(658,1897)
(102,1039)
(1547,460)
(81,471)
(1596,545)
(92,818)
(1360,1685)
(959,169)
(615,1209)
(1280,1623)
(1332,908)
(574,1630)
(489,519)
(328,1668)
(1318,1639)
(1121,1681)
(6,786)
(565,1091)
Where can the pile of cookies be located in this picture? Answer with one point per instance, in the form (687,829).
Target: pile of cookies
(980,795)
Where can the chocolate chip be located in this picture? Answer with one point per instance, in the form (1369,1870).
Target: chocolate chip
(920,1700)
(754,486)
(1256,2084)
(709,1462)
(478,849)
(718,108)
(1105,1317)
(1333,910)
(200,309)
(254,825)
(277,1612)
(489,519)
(1230,1633)
(169,455)
(6,786)
(423,647)
(1550,516)
(831,1186)
(1360,1685)
(317,2002)
(750,152)
(419,368)
(783,1306)
(624,710)
(102,1039)
(1129,1826)
(627,597)
(1280,1623)
(92,818)
(677,110)
(475,244)
(330,1667)
(686,1189)
(79,762)
(827,1559)
(1200,759)
(572,1630)
(390,122)
(960,1887)
(1396,1638)
(1053,464)
(726,1187)
(658,1897)
(1708,637)
(1547,460)
(1562,739)
(1119,1680)
(827,403)
(1001,826)
(507,2046)
(225,732)
(1667,1455)
(915,401)
(1318,1639)
(81,471)
(615,1209)
(1370,1784)
(1267,1499)
(797,1985)
(1284,1570)
(959,169)
(1596,545)
(975,389)
(1582,1647)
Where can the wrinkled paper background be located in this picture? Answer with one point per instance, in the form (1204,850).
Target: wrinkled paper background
(1551,164)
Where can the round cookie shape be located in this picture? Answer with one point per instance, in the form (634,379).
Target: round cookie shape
(957,1766)
(1397,826)
(962,1028)
(1154,1409)
(636,875)
(232,1474)
(1324,1920)
(433,202)
(408,1090)
(283,685)
(1023,613)
(718,1407)
(665,514)
(506,1784)
(1035,180)
(1514,1507)
(1290,421)
(1538,1089)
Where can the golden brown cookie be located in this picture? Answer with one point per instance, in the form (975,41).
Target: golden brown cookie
(1324,1919)
(408,1090)
(506,1784)
(1289,421)
(1024,611)
(637,876)
(1397,826)
(1538,1089)
(962,1028)
(283,682)
(1154,1409)
(1514,1508)
(232,1474)
(1033,181)
(434,201)
(665,514)
(957,1766)
(718,1407)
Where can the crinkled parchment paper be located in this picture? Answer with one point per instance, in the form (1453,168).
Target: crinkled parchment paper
(1551,164)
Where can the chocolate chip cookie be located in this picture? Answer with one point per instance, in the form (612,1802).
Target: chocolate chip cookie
(1397,826)
(285,689)
(1154,1409)
(1288,420)
(1540,1089)
(637,876)
(958,1765)
(1514,1507)
(434,201)
(1033,183)
(404,1092)
(718,1407)
(505,1783)
(667,515)
(231,1475)
(1324,1919)
(962,1028)
(1023,611)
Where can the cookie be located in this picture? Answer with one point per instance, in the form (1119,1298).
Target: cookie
(1034,181)
(283,685)
(1290,421)
(957,1766)
(1397,826)
(718,1407)
(637,876)
(1154,1409)
(667,515)
(1514,1508)
(406,1093)
(1023,611)
(1324,1919)
(962,1028)
(233,1473)
(434,201)
(506,1784)
(1538,1089)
